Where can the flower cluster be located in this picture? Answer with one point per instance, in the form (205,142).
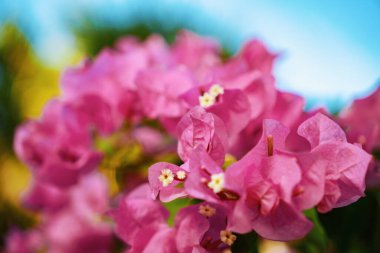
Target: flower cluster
(70,220)
(285,160)
(268,188)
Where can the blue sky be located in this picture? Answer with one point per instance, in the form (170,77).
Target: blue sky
(331,49)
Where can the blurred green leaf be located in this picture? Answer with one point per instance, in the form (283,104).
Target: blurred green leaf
(376,153)
(93,35)
(316,241)
(247,243)
(11,46)
(176,205)
(12,216)
(25,83)
(355,228)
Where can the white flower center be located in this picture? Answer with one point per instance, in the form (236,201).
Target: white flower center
(217,182)
(209,98)
(181,174)
(166,177)
(216,90)
(206,100)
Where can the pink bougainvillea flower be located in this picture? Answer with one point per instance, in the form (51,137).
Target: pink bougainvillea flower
(89,112)
(288,160)
(141,223)
(257,57)
(367,134)
(261,94)
(270,196)
(90,197)
(154,48)
(269,178)
(160,241)
(199,128)
(77,226)
(18,241)
(203,228)
(198,228)
(310,190)
(159,91)
(346,164)
(268,207)
(298,143)
(250,71)
(254,56)
(34,139)
(45,198)
(363,110)
(199,54)
(107,74)
(320,129)
(138,212)
(260,90)
(231,106)
(164,180)
(55,155)
(206,179)
(111,76)
(287,109)
(234,109)
(151,139)
(67,164)
(66,232)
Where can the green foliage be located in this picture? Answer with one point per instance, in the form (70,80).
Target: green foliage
(247,243)
(376,153)
(118,246)
(13,217)
(12,46)
(316,241)
(25,83)
(355,228)
(93,36)
(176,205)
(94,33)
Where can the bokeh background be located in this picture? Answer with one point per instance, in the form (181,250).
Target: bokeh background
(330,53)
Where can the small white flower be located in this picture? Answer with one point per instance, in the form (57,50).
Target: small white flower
(181,174)
(206,100)
(166,177)
(217,182)
(216,90)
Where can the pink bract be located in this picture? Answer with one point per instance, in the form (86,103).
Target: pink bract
(199,128)
(345,164)
(138,211)
(361,121)
(170,191)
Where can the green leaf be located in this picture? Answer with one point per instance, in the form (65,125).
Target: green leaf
(174,207)
(316,241)
(355,228)
(247,243)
